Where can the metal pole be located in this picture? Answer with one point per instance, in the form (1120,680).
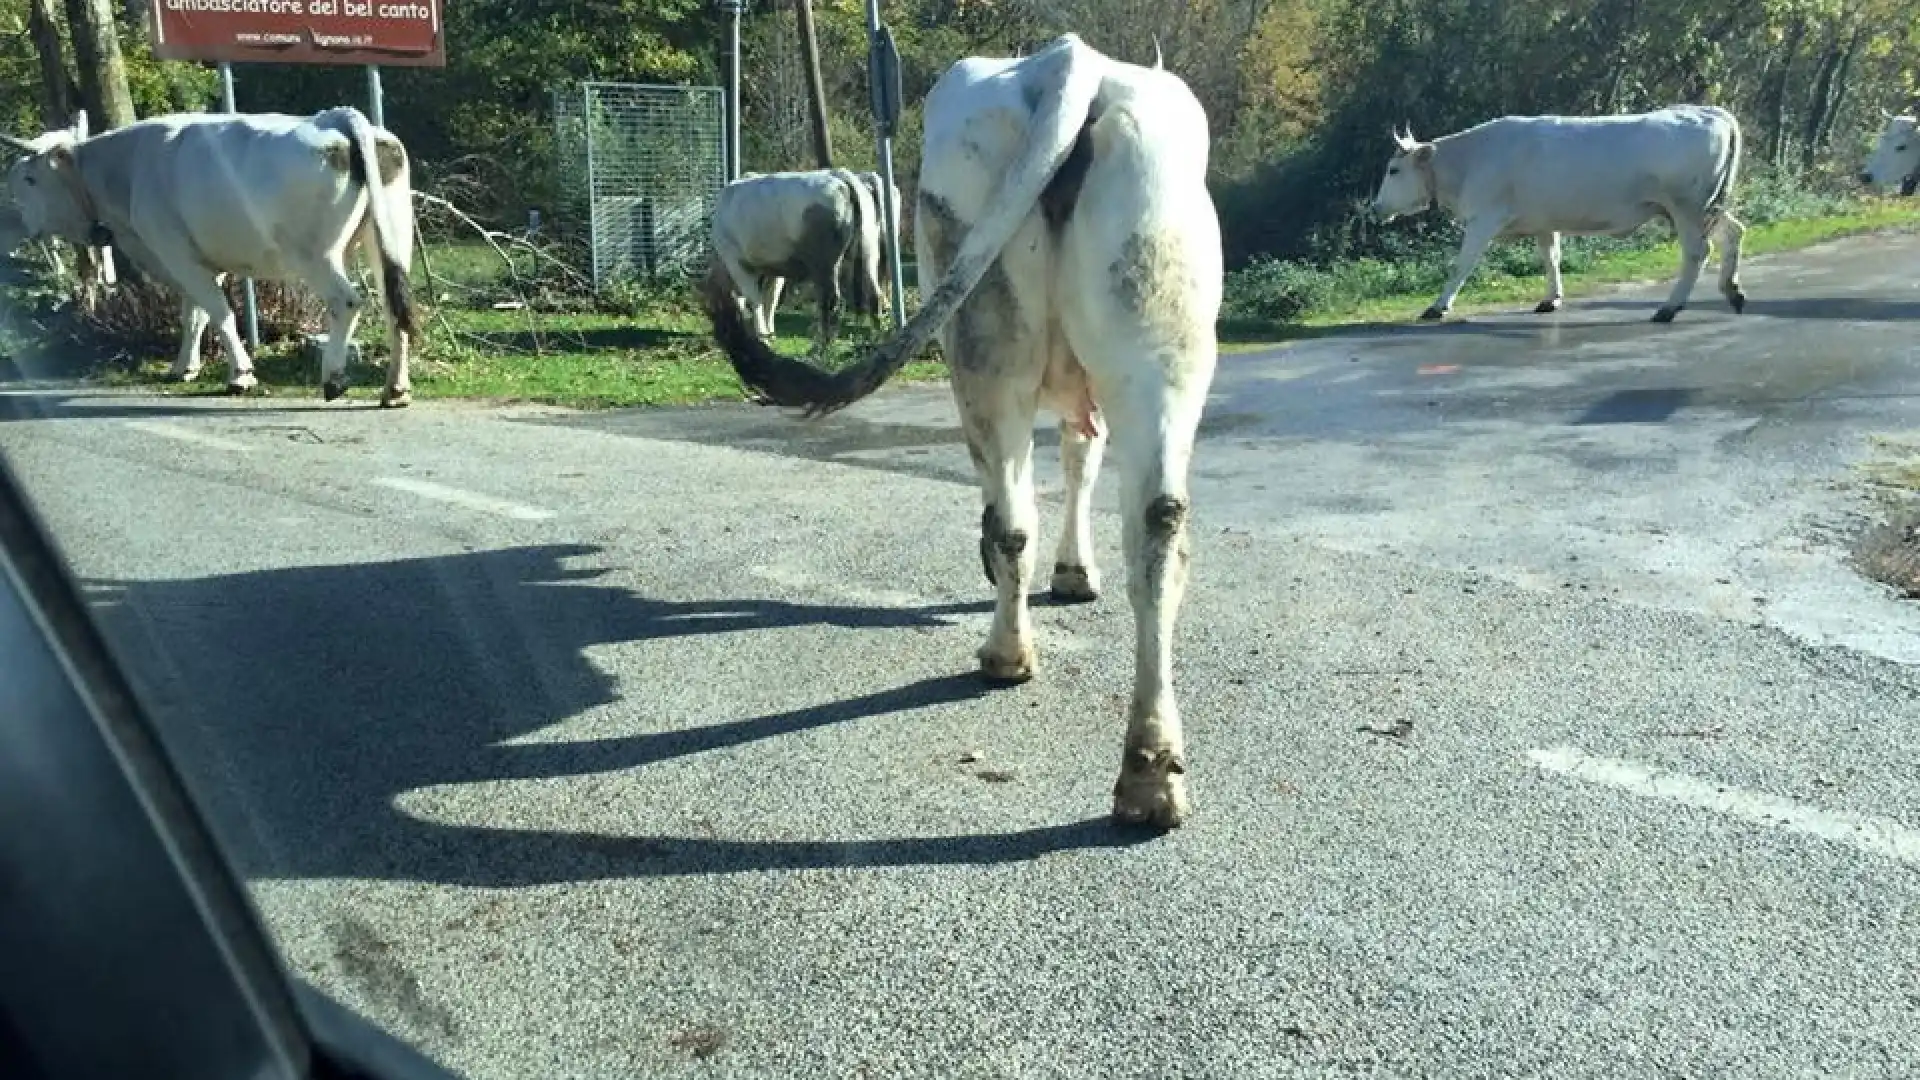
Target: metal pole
(376,97)
(734,166)
(883,72)
(253,306)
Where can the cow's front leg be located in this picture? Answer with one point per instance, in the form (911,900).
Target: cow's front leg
(193,325)
(768,314)
(829,324)
(1550,258)
(1472,248)
(998,422)
(343,303)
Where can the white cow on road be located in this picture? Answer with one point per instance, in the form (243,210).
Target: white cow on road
(1070,257)
(1543,176)
(1896,157)
(194,197)
(822,226)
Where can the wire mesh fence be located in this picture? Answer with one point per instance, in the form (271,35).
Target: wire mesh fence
(640,166)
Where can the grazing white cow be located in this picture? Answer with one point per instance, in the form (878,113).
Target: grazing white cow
(1069,255)
(822,226)
(1896,157)
(194,197)
(1543,176)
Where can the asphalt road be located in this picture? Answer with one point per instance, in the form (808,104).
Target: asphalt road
(648,743)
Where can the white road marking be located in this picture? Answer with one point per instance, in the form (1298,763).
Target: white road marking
(184,434)
(427,489)
(1875,835)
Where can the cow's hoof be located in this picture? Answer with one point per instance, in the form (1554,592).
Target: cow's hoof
(1546,307)
(332,391)
(1666,314)
(184,376)
(242,383)
(1738,300)
(986,561)
(395,399)
(1433,314)
(1152,790)
(1007,670)
(1074,584)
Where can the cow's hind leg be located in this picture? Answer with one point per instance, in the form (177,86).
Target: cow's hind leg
(1076,580)
(1692,234)
(193,325)
(1550,258)
(1732,231)
(997,416)
(398,392)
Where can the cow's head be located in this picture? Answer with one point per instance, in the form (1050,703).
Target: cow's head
(1896,158)
(45,185)
(1407,187)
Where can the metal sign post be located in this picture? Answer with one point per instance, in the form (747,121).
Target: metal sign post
(883,83)
(376,98)
(253,307)
(734,9)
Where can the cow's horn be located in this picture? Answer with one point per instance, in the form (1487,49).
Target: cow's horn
(80,124)
(1156,52)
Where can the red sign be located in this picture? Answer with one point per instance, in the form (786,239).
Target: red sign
(390,33)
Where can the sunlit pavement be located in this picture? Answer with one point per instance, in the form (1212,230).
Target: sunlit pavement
(1539,724)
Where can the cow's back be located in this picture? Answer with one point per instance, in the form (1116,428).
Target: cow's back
(764,216)
(246,190)
(1587,171)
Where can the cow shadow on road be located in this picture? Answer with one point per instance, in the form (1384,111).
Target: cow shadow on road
(304,702)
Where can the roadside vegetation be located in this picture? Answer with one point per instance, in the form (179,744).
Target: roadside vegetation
(1300,96)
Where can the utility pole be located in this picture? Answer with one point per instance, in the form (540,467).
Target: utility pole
(883,84)
(816,88)
(734,9)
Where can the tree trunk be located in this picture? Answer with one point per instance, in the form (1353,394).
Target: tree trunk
(56,86)
(1819,100)
(1837,100)
(816,89)
(103,72)
(1776,95)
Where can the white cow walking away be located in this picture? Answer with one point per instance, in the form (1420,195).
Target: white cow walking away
(1896,156)
(1070,257)
(194,197)
(1544,176)
(822,226)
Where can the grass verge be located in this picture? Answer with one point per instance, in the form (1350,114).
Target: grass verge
(660,351)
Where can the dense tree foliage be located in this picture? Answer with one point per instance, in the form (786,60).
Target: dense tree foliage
(1301,93)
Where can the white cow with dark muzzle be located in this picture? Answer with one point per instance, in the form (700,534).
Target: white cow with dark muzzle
(194,197)
(1543,176)
(1896,157)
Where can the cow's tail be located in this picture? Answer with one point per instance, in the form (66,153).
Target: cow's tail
(1729,171)
(865,243)
(395,248)
(1075,78)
